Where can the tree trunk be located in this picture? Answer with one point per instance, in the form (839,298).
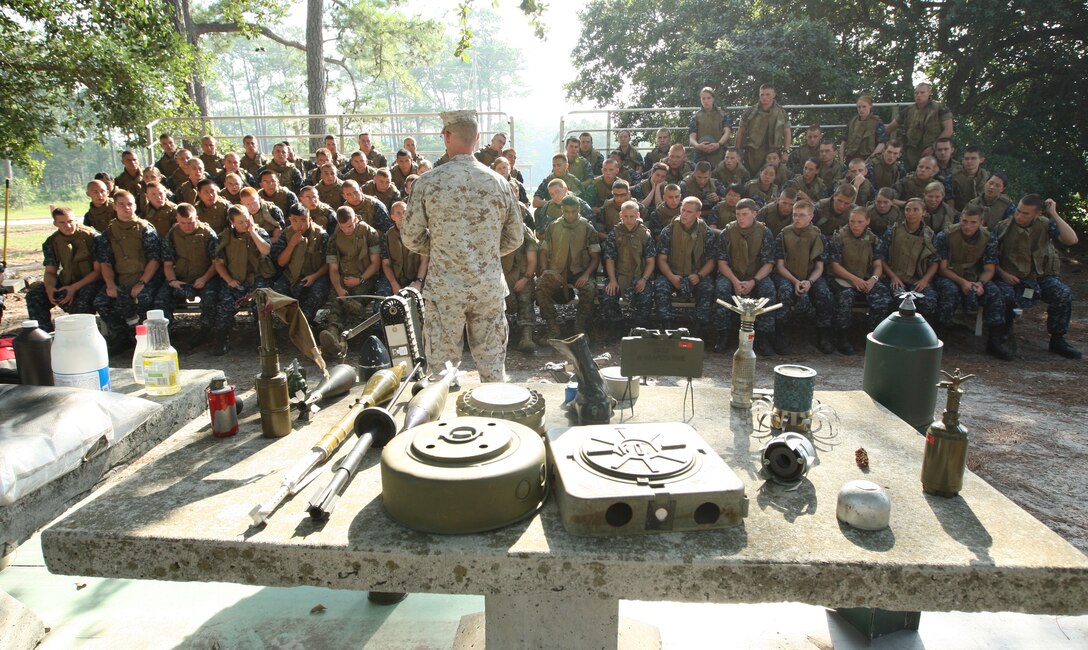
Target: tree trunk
(183,23)
(316,76)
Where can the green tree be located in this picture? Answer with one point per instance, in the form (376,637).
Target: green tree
(77,70)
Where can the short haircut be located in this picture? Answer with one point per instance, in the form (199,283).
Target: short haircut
(298,210)
(327,165)
(1002,176)
(356,154)
(556,182)
(585,134)
(946,139)
(401,204)
(330,137)
(323,152)
(972,211)
(128,152)
(166,135)
(855,161)
(894,143)
(344,214)
(204,182)
(154,184)
(610,162)
(972,149)
(559,156)
(62,211)
(660,166)
(1032,200)
(692,200)
(888,193)
(766,86)
(846,190)
(815,127)
(307,188)
(267,172)
(103,176)
(826,143)
(186,210)
(621,184)
(629,205)
(411,178)
(570,139)
(672,187)
(803,205)
(207,138)
(731,149)
(509,150)
(935,186)
(350,184)
(120,194)
(703,167)
(737,188)
(247,138)
(789,192)
(383,172)
(747,204)
(403,153)
(233,175)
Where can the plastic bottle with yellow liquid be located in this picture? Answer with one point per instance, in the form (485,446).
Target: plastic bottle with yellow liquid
(161,359)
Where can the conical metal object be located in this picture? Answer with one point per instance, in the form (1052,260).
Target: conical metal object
(375,357)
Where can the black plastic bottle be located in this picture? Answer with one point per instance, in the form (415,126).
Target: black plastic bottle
(32,346)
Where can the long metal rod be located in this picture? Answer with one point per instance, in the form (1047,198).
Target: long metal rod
(7,191)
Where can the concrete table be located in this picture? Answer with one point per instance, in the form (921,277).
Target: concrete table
(183,516)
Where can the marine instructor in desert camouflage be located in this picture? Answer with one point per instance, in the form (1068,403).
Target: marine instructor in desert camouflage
(464,217)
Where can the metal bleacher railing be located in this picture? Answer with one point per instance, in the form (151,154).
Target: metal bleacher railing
(643,136)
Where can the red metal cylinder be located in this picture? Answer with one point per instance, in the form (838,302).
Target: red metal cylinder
(224,413)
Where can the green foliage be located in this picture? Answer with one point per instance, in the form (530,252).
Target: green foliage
(22,193)
(77,69)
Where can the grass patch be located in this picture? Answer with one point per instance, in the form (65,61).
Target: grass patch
(25,244)
(41,211)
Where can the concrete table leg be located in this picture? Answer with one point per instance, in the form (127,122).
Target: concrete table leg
(553,621)
(20,628)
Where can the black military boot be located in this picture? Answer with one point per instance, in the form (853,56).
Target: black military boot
(762,345)
(842,342)
(997,345)
(1058,345)
(824,340)
(722,344)
(778,342)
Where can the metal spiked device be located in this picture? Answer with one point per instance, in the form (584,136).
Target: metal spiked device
(744,359)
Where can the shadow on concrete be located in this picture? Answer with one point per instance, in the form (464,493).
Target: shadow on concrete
(960,523)
(873,540)
(292,618)
(792,501)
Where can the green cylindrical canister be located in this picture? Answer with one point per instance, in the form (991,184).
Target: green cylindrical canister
(902,364)
(793,387)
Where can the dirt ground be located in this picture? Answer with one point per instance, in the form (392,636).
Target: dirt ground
(1027,419)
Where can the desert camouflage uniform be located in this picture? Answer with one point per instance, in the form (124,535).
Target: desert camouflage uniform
(464,217)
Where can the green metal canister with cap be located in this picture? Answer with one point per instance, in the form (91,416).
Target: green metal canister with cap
(903,364)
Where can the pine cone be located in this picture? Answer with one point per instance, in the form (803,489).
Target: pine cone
(861,457)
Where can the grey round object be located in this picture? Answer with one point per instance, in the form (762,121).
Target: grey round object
(864,505)
(504,402)
(787,458)
(619,388)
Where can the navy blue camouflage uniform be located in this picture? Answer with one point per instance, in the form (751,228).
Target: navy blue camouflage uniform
(168,296)
(878,300)
(927,304)
(640,304)
(816,303)
(949,294)
(310,298)
(116,311)
(724,290)
(230,298)
(1050,288)
(38,306)
(702,293)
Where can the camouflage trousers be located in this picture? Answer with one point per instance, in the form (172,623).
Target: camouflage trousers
(227,305)
(347,313)
(167,297)
(39,308)
(383,288)
(815,304)
(521,303)
(702,294)
(949,296)
(879,301)
(116,311)
(728,319)
(310,298)
(926,305)
(448,318)
(640,305)
(551,288)
(1056,294)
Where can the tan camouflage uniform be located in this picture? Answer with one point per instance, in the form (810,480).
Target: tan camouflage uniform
(464,216)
